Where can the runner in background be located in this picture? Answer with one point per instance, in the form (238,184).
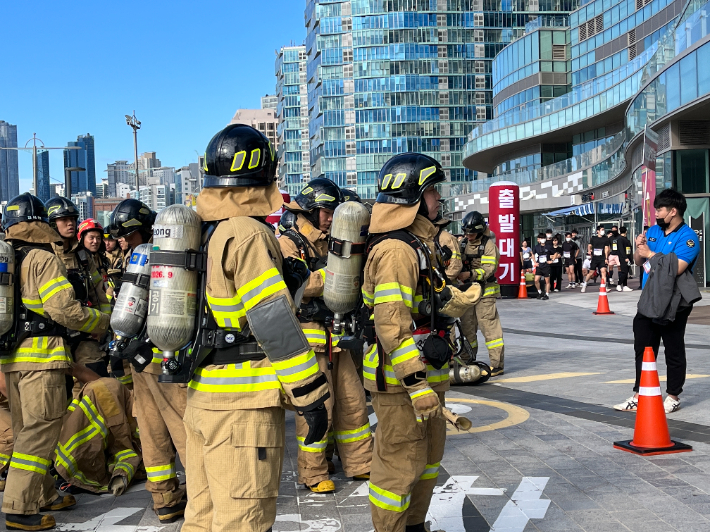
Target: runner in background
(556,264)
(542,266)
(599,251)
(626,258)
(526,257)
(570,251)
(579,263)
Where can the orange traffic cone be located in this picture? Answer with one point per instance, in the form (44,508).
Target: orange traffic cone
(603,305)
(651,434)
(523,290)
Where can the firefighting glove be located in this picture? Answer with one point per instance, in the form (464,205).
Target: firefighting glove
(454,303)
(295,274)
(317,420)
(118,485)
(425,401)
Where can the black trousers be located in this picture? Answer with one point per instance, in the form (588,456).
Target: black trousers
(578,271)
(624,273)
(556,276)
(649,334)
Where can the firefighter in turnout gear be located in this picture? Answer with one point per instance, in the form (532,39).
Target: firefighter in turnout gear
(98,448)
(91,237)
(36,361)
(159,407)
(84,277)
(481,258)
(6,439)
(449,247)
(406,368)
(347,406)
(114,257)
(258,357)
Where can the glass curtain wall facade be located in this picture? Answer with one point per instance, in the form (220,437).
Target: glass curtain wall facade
(390,76)
(292,113)
(84,158)
(42,191)
(9,164)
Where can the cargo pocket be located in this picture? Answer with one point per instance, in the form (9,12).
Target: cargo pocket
(54,393)
(396,420)
(258,447)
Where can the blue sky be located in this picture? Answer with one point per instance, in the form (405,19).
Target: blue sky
(71,68)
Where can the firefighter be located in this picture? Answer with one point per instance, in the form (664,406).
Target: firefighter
(6,438)
(159,407)
(85,278)
(91,237)
(449,248)
(481,260)
(308,240)
(99,449)
(35,368)
(235,417)
(403,274)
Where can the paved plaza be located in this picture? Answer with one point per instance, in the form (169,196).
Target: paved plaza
(540,454)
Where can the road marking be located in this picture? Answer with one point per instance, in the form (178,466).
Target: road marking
(107,523)
(516,416)
(662,378)
(525,504)
(547,377)
(316,525)
(446,508)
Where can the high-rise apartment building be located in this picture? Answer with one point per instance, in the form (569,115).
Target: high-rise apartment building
(264,120)
(85,203)
(42,162)
(386,77)
(118,172)
(84,181)
(9,168)
(147,162)
(269,101)
(292,112)
(189,179)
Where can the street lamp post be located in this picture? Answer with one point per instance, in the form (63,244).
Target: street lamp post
(67,179)
(135,124)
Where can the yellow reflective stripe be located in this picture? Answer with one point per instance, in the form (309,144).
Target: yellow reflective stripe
(4,459)
(39,353)
(349,436)
(235,378)
(50,288)
(296,368)
(474,343)
(498,342)
(487,259)
(437,376)
(430,471)
(407,350)
(367,298)
(126,379)
(256,290)
(92,321)
(105,308)
(492,290)
(30,462)
(95,277)
(388,292)
(35,305)
(92,414)
(419,393)
(387,500)
(315,336)
(227,311)
(480,273)
(322,273)
(160,473)
(455,255)
(370,363)
(315,447)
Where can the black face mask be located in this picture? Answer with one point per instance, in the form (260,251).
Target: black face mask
(661,222)
(615,233)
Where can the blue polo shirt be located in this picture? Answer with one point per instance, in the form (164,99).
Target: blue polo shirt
(683,242)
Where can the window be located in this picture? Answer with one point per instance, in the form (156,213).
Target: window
(479,50)
(480,82)
(478,19)
(480,67)
(692,171)
(478,36)
(480,98)
(480,113)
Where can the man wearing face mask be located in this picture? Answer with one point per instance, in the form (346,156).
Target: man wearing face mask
(578,274)
(626,258)
(542,258)
(614,258)
(599,250)
(548,241)
(668,247)
(570,250)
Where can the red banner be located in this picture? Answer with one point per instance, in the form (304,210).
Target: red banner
(504,221)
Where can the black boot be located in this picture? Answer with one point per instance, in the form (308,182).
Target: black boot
(171,513)
(29,522)
(416,528)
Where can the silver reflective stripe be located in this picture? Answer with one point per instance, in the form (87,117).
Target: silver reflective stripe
(227,381)
(389,501)
(93,416)
(226,308)
(271,281)
(351,435)
(32,463)
(394,292)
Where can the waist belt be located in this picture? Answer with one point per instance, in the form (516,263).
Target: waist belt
(236,354)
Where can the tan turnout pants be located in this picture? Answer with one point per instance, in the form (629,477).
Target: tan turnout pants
(38,400)
(347,414)
(234,461)
(485,315)
(160,409)
(6,435)
(405,464)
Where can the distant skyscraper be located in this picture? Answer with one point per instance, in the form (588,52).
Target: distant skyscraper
(292,112)
(84,181)
(9,170)
(270,101)
(118,172)
(43,191)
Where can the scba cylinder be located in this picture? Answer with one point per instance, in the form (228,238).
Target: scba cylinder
(474,373)
(7,288)
(129,313)
(348,234)
(173,288)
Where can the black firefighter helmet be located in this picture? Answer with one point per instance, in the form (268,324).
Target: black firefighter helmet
(404,178)
(60,208)
(473,223)
(239,156)
(131,215)
(349,195)
(319,193)
(24,208)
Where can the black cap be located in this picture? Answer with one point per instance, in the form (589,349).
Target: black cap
(239,156)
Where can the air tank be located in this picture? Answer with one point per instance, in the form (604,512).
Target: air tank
(341,294)
(129,312)
(7,288)
(173,289)
(474,373)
